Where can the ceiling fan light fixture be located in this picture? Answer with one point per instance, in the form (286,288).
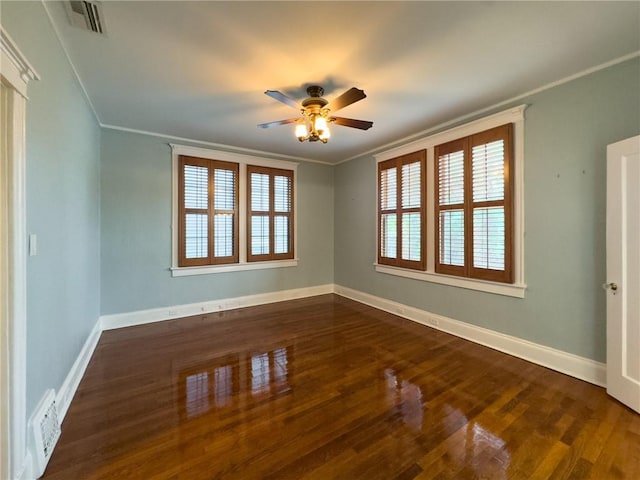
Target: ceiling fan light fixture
(325,135)
(301,132)
(320,124)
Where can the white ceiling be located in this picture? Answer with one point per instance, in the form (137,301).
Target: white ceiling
(199,70)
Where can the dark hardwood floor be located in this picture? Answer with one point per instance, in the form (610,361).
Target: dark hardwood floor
(327,388)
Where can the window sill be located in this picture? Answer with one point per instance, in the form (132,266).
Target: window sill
(510,290)
(235,267)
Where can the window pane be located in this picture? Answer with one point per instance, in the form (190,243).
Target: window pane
(260,373)
(411,236)
(197,394)
(282,193)
(259,235)
(223,388)
(389,236)
(196,186)
(224,195)
(388,189)
(451,178)
(223,235)
(411,185)
(281,234)
(452,237)
(488,238)
(196,236)
(488,171)
(259,192)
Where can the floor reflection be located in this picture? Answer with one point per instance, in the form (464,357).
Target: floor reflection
(407,396)
(470,445)
(221,382)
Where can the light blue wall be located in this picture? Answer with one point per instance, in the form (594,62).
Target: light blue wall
(136,234)
(63,199)
(567,129)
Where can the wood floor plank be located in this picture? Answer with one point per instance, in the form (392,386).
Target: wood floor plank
(327,388)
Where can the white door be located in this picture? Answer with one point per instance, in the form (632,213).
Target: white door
(623,271)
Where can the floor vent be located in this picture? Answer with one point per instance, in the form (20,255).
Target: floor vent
(44,429)
(86,15)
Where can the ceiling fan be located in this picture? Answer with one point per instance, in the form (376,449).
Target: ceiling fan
(313,125)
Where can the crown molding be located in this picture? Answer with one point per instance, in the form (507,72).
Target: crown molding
(15,65)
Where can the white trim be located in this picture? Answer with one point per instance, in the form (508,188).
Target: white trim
(510,290)
(242,160)
(495,106)
(15,67)
(576,366)
(511,115)
(16,73)
(141,317)
(514,115)
(68,388)
(235,267)
(212,144)
(579,367)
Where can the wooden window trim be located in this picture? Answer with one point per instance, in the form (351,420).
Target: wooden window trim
(505,133)
(397,163)
(210,211)
(272,173)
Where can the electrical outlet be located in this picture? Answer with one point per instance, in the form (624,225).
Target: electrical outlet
(173,313)
(434,321)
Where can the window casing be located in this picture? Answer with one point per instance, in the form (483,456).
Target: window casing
(480,277)
(401,211)
(225,223)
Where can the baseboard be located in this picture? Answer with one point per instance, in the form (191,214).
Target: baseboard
(68,388)
(567,363)
(141,317)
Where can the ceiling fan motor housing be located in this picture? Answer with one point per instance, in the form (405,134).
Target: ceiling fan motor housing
(315,97)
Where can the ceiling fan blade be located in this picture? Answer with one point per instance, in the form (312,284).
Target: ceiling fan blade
(352,95)
(278,122)
(353,123)
(281,97)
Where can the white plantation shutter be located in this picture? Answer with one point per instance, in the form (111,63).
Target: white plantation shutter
(270,201)
(474,205)
(208,210)
(401,217)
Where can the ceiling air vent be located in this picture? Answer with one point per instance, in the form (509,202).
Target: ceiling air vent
(86,15)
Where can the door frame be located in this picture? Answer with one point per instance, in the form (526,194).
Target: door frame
(15,73)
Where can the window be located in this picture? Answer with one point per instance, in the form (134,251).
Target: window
(208,229)
(401,219)
(270,226)
(474,206)
(231,212)
(472,196)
